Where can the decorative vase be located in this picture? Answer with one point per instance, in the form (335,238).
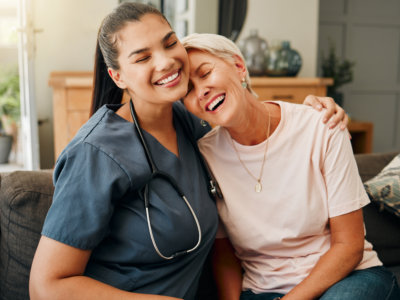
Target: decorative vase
(283,60)
(255,52)
(276,66)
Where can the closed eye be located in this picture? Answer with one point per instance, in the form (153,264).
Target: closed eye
(171,44)
(142,59)
(205,74)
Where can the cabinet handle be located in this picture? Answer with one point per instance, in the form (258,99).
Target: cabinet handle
(277,97)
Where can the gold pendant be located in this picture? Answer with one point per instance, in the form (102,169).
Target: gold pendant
(258,187)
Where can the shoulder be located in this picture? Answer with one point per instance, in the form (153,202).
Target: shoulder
(213,141)
(195,125)
(301,117)
(212,135)
(98,142)
(300,111)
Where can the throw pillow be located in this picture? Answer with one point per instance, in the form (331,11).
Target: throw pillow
(384,188)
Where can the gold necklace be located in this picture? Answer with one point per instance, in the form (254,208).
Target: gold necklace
(258,186)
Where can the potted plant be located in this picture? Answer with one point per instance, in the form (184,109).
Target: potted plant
(9,111)
(340,70)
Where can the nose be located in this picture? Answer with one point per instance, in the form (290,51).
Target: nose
(203,92)
(163,62)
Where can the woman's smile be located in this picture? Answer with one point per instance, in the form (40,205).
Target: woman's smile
(215,103)
(170,80)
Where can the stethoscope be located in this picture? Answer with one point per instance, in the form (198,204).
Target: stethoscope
(156,173)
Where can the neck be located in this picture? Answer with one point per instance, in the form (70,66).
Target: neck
(152,117)
(251,126)
(156,119)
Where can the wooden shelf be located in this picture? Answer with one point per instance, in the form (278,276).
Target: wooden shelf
(72,99)
(72,93)
(291,89)
(361,136)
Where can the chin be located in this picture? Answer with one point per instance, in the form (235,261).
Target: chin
(181,93)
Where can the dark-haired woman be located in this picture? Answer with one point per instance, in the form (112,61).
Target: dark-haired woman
(131,217)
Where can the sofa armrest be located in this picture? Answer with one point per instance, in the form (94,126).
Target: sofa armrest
(25,197)
(382,228)
(371,164)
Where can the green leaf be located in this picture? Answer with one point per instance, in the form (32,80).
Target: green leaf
(340,70)
(10,94)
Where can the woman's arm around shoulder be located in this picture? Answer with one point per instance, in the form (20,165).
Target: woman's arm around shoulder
(57,273)
(334,113)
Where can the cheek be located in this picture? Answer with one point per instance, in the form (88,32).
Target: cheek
(191,105)
(185,65)
(182,53)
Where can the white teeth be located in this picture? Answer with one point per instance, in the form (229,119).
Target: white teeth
(213,104)
(168,79)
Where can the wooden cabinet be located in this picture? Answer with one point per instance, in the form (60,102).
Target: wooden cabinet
(72,92)
(295,90)
(361,136)
(291,89)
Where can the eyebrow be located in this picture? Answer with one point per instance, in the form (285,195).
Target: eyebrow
(164,39)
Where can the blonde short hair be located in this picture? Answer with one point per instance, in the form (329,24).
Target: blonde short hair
(217,45)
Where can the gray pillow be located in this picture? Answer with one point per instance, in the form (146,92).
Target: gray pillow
(25,197)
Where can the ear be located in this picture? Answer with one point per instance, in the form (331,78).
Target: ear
(116,77)
(240,65)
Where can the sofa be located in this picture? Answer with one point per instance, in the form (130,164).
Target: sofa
(25,197)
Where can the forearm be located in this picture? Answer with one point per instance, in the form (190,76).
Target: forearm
(82,287)
(335,265)
(227,271)
(57,273)
(229,283)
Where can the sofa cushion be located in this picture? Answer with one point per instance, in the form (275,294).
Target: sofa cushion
(370,164)
(25,197)
(384,188)
(383,232)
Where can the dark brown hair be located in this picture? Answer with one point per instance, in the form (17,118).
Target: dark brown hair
(105,91)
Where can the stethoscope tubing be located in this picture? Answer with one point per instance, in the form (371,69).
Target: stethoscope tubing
(155,172)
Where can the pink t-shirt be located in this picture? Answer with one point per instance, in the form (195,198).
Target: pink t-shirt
(310,175)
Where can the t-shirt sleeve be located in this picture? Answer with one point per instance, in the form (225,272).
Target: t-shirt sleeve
(88,183)
(345,190)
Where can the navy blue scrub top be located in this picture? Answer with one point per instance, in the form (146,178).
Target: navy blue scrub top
(97,206)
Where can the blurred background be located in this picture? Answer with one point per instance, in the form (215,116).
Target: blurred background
(358,40)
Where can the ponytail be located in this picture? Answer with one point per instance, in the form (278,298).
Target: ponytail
(105,91)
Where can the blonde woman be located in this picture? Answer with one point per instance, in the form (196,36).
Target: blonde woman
(292,197)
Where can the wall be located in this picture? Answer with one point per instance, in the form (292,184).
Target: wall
(66,43)
(293,20)
(368,33)
(8,52)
